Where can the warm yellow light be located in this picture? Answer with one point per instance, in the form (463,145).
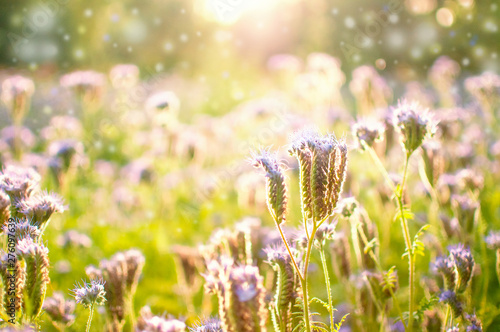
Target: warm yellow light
(445,17)
(229,11)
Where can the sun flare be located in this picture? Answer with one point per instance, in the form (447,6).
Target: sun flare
(230,11)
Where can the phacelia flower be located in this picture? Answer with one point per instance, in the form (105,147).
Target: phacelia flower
(413,124)
(367,133)
(90,293)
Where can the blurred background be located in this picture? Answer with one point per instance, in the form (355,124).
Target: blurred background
(198,36)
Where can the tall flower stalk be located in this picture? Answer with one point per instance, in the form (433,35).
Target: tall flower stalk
(414,126)
(323,162)
(89,295)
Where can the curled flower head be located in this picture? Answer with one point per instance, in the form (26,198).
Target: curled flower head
(90,293)
(464,265)
(23,229)
(483,86)
(147,322)
(59,309)
(207,325)
(413,124)
(40,208)
(36,258)
(4,207)
(475,324)
(465,210)
(16,85)
(74,239)
(16,92)
(18,182)
(277,254)
(135,261)
(67,150)
(326,232)
(450,297)
(348,207)
(367,133)
(493,240)
(323,164)
(468,179)
(277,199)
(18,137)
(445,267)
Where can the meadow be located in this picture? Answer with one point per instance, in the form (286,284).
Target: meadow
(306,193)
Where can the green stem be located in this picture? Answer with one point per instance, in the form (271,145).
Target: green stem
(446,318)
(485,265)
(89,321)
(379,268)
(304,278)
(328,288)
(406,233)
(283,238)
(381,167)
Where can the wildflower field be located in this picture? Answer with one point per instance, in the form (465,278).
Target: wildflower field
(250,166)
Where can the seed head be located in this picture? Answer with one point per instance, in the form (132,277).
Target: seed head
(89,294)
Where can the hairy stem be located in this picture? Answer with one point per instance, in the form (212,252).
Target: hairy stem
(328,288)
(285,242)
(89,321)
(381,167)
(379,268)
(304,278)
(406,233)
